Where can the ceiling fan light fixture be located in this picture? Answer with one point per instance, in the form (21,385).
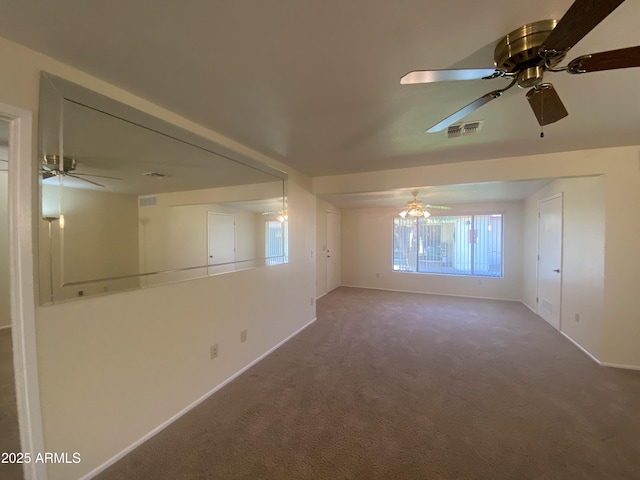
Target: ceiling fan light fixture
(415,208)
(283,215)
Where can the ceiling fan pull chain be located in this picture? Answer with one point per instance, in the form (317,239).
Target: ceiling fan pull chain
(542,117)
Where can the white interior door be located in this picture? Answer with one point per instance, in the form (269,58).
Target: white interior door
(550,260)
(221,231)
(333,251)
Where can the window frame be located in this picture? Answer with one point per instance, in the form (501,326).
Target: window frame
(472,266)
(271,260)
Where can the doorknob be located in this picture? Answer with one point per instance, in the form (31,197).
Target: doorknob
(557,270)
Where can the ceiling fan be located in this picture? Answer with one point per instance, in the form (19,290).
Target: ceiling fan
(52,167)
(525,54)
(415,208)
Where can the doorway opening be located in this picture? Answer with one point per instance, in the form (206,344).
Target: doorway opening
(17,138)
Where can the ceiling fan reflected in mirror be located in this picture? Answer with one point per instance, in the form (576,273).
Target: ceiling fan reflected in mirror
(527,53)
(416,208)
(52,167)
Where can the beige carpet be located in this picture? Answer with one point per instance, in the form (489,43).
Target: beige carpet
(405,386)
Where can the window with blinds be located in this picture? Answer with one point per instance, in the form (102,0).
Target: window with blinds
(276,242)
(449,245)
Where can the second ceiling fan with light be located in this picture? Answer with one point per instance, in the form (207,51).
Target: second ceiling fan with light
(415,208)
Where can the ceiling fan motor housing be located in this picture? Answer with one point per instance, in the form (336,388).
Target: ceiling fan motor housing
(53,161)
(519,53)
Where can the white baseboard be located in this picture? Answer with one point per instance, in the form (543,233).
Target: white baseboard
(431,293)
(529,307)
(175,417)
(602,364)
(584,350)
(620,365)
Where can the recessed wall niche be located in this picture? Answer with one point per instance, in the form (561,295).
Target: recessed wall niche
(130,201)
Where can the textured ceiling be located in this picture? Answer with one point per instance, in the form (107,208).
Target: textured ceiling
(315,84)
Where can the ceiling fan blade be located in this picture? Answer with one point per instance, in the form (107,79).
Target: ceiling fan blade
(92,175)
(439,207)
(84,180)
(609,60)
(546,104)
(579,20)
(47,174)
(464,111)
(431,76)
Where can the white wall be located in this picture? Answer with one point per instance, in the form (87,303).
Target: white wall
(621,322)
(113,368)
(367,245)
(175,237)
(100,240)
(173,232)
(582,268)
(5,312)
(620,167)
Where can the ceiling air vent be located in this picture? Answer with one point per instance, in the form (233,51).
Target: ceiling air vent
(464,129)
(148,201)
(454,131)
(154,174)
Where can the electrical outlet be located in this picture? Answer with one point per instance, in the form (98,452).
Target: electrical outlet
(243,336)
(214,351)
(377,275)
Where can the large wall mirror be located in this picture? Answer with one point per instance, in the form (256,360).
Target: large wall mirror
(129,201)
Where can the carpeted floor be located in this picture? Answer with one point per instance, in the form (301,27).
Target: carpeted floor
(389,385)
(9,433)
